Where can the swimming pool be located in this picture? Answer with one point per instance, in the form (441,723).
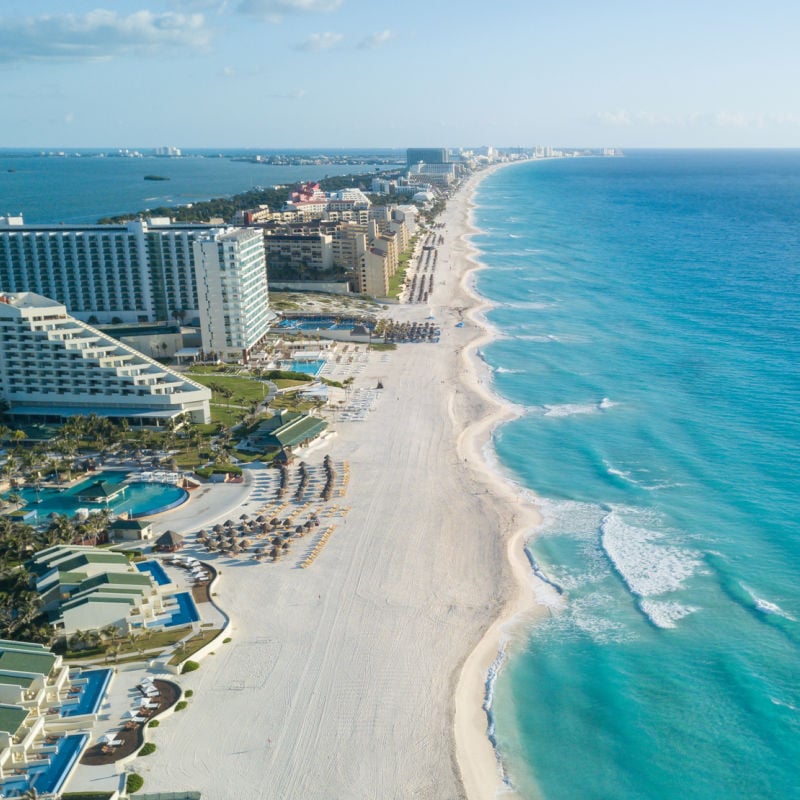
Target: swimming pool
(156,570)
(186,613)
(92,693)
(307,367)
(50,778)
(137,499)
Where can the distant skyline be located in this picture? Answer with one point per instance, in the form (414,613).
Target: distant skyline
(354,73)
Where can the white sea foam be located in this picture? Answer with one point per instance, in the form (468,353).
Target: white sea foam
(571,409)
(766,607)
(532,305)
(507,371)
(648,566)
(590,615)
(665,613)
(544,337)
(571,517)
(784,704)
(628,477)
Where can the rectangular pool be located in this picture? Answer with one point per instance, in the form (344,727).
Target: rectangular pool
(186,613)
(48,779)
(156,570)
(92,693)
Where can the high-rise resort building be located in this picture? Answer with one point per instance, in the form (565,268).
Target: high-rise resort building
(53,366)
(141,271)
(232,290)
(428,155)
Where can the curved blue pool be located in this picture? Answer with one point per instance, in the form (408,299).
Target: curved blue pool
(136,499)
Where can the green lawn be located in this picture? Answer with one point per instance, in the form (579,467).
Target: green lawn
(243,390)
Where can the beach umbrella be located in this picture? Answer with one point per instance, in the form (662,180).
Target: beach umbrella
(299,529)
(244,517)
(261,518)
(218,528)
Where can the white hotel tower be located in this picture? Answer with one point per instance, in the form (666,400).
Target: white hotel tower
(232,292)
(53,366)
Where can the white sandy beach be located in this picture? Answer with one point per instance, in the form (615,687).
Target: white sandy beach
(359,677)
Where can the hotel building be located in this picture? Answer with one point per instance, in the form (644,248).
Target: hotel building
(135,272)
(54,366)
(233,295)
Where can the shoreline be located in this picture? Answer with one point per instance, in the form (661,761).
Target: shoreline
(365,675)
(476,754)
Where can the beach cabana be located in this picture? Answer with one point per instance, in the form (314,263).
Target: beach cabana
(169,542)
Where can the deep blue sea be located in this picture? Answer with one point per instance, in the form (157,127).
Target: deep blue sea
(82,189)
(648,322)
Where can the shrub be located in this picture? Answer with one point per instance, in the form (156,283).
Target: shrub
(154,723)
(226,640)
(188,693)
(179,706)
(133,783)
(148,748)
(189,666)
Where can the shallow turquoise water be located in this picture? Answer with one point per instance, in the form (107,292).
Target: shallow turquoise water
(649,322)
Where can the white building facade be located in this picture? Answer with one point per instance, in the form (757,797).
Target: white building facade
(54,366)
(233,295)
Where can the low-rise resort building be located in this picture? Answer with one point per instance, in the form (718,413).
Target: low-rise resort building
(46,711)
(53,366)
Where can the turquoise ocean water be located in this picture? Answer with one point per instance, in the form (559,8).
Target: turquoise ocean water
(648,323)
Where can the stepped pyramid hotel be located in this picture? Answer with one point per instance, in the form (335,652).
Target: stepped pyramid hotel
(54,366)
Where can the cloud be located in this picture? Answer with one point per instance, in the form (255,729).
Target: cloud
(275,10)
(228,72)
(98,34)
(706,119)
(297,94)
(317,42)
(375,40)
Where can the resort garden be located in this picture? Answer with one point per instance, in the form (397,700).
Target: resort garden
(38,458)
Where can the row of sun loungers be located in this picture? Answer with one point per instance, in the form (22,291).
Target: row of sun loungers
(323,540)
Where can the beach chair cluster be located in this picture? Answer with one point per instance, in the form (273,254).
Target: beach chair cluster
(323,540)
(361,403)
(196,570)
(345,478)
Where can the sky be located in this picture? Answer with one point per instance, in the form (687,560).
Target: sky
(419,73)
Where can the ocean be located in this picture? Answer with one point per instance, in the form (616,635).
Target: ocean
(82,189)
(648,331)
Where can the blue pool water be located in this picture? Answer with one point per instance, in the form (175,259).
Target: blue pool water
(92,693)
(316,324)
(49,779)
(156,570)
(138,499)
(186,613)
(307,367)
(69,749)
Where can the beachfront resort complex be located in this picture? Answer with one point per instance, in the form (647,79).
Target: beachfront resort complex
(161,524)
